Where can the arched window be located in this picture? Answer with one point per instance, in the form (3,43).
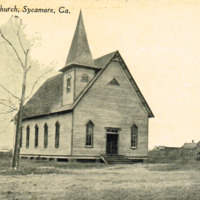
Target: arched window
(20,141)
(45,135)
(89,134)
(68,83)
(36,135)
(134,136)
(84,78)
(27,136)
(57,134)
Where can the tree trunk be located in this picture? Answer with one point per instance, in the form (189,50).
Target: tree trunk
(16,153)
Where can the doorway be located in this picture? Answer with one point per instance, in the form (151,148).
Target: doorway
(112,144)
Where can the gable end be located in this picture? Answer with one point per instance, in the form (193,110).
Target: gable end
(117,57)
(136,88)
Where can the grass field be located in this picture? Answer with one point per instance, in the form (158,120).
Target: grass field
(49,180)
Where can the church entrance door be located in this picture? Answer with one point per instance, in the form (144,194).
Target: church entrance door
(112,144)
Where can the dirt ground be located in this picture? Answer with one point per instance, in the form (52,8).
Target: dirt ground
(113,182)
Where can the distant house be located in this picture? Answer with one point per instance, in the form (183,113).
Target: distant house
(198,151)
(198,146)
(91,109)
(164,152)
(187,151)
(159,147)
(190,146)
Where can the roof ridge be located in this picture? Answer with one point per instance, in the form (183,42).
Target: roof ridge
(113,52)
(102,61)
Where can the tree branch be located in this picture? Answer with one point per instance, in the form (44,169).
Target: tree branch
(8,106)
(11,54)
(10,111)
(20,42)
(41,76)
(2,35)
(9,101)
(9,92)
(29,67)
(26,60)
(5,100)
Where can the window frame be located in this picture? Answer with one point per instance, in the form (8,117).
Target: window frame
(36,141)
(45,144)
(134,136)
(68,83)
(89,125)
(20,141)
(57,134)
(27,136)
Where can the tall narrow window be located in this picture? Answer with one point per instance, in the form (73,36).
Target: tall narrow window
(27,136)
(68,86)
(20,142)
(57,134)
(36,135)
(89,134)
(134,136)
(45,135)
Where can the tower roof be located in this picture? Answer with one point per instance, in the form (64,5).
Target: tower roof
(79,52)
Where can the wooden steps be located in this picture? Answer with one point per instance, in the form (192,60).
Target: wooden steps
(116,159)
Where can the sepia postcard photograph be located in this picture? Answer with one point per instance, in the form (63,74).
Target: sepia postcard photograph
(99,100)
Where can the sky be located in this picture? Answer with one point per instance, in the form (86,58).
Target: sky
(158,40)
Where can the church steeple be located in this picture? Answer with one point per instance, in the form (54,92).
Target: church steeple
(79,52)
(79,68)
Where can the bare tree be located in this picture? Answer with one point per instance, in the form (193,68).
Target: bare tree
(20,53)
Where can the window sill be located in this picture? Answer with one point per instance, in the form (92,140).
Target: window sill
(133,147)
(88,146)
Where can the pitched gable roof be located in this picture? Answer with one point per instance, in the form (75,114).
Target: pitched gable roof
(102,61)
(48,99)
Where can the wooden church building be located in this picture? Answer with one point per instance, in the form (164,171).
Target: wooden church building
(92,109)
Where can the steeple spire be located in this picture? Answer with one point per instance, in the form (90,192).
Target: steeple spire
(79,52)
